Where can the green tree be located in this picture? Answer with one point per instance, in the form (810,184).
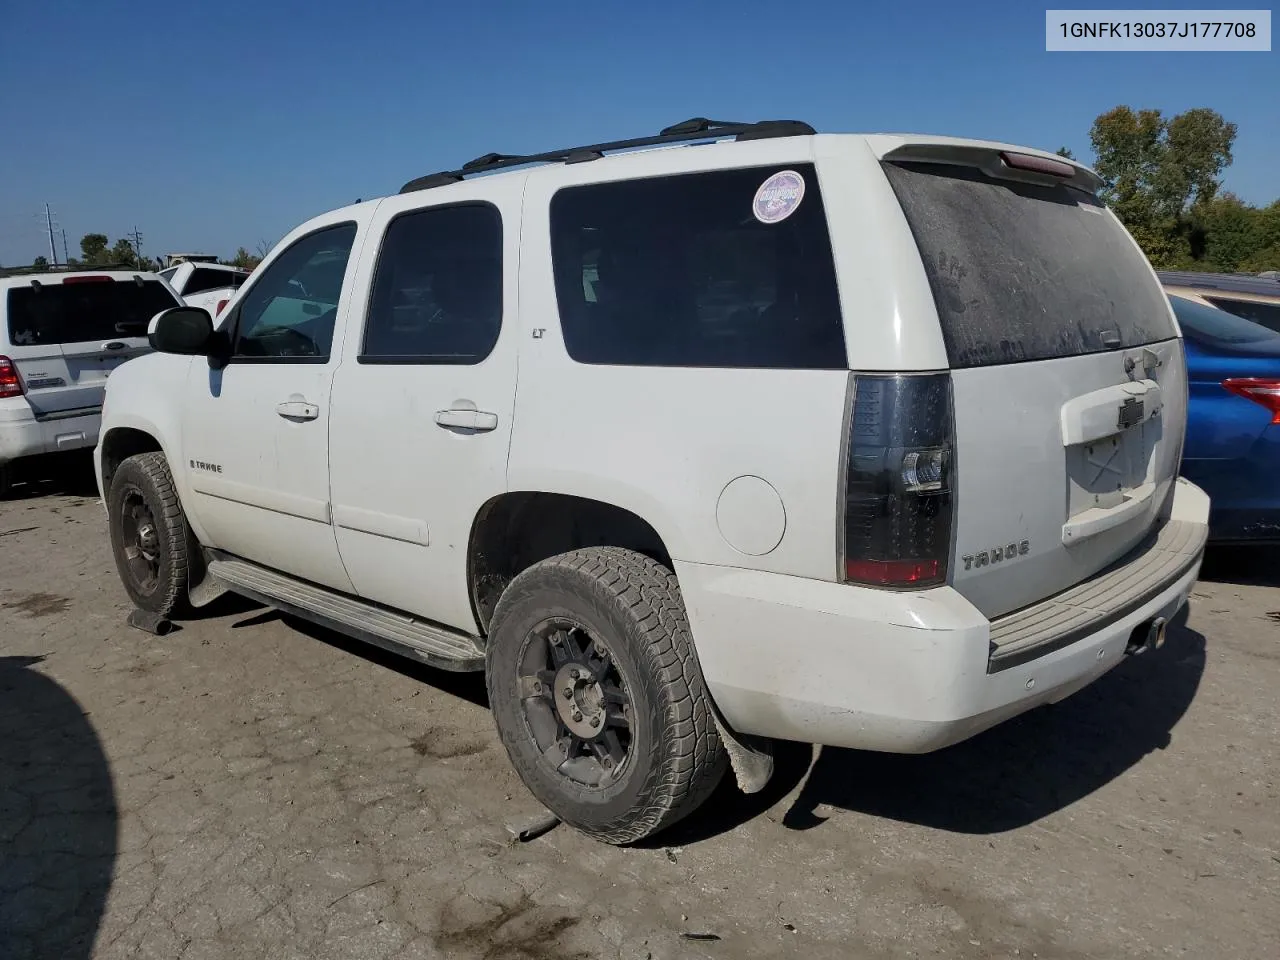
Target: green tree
(93,247)
(1230,230)
(123,254)
(244,259)
(1065,152)
(1161,175)
(41,263)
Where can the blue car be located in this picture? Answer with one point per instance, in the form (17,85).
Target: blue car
(1232,448)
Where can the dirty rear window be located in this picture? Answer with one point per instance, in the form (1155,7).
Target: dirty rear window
(86,310)
(1026,272)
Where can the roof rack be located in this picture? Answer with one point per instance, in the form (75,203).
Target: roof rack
(697,128)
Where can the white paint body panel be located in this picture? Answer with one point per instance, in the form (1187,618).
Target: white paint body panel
(403,519)
(848,666)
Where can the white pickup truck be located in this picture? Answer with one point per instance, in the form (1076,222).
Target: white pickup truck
(207,285)
(869,441)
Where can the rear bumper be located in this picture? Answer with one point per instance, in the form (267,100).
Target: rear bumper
(23,434)
(828,663)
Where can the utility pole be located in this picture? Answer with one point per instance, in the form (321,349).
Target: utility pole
(65,258)
(137,243)
(48,219)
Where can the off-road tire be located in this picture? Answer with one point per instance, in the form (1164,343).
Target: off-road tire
(632,604)
(147,475)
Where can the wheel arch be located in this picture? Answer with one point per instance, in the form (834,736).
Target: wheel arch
(514,530)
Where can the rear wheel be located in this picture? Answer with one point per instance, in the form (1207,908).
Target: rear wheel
(597,693)
(149,534)
(6,479)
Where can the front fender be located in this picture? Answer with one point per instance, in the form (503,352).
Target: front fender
(147,395)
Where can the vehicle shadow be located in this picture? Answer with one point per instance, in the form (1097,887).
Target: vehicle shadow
(58,819)
(1244,564)
(1008,777)
(1028,768)
(467,686)
(66,474)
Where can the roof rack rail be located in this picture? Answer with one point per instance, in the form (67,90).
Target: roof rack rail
(696,128)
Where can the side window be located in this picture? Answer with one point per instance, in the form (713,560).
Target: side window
(202,280)
(1267,314)
(289,312)
(437,290)
(731,268)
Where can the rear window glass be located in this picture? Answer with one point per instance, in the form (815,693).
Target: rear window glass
(1267,314)
(1026,272)
(1216,326)
(678,271)
(93,310)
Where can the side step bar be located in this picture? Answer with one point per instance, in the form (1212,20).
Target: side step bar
(400,633)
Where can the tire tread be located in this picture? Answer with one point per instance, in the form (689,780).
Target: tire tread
(693,760)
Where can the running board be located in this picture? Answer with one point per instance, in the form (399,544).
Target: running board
(400,633)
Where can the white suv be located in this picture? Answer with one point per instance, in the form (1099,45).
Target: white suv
(61,335)
(857,440)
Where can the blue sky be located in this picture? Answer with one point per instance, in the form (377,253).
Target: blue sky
(220,124)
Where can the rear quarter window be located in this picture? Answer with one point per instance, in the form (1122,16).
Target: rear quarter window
(678,271)
(1023,271)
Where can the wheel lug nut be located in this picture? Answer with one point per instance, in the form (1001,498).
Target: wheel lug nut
(568,693)
(577,715)
(595,721)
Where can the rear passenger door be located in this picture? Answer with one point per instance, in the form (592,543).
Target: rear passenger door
(422,404)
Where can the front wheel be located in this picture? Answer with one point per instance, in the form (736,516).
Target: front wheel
(149,534)
(598,696)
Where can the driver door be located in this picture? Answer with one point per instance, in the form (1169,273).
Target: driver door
(257,431)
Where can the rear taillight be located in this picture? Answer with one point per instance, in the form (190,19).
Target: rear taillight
(96,278)
(1261,390)
(10,382)
(219,308)
(898,486)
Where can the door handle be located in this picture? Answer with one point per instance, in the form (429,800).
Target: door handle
(297,410)
(112,345)
(476,420)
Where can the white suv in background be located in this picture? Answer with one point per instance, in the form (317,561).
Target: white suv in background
(206,285)
(859,440)
(61,335)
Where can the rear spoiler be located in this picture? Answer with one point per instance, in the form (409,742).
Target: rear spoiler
(986,156)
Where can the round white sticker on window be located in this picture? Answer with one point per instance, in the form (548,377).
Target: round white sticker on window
(778,197)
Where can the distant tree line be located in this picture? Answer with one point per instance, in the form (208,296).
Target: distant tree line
(95,252)
(1163,180)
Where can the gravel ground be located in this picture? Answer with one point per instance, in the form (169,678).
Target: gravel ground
(251,786)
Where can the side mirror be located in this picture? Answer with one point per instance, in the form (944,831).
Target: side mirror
(182,330)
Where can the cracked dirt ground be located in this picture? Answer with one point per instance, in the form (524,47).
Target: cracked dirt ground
(254,787)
